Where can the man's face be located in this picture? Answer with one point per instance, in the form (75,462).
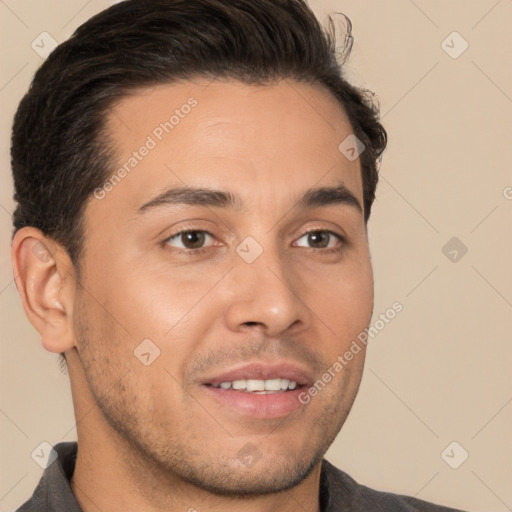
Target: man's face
(246,296)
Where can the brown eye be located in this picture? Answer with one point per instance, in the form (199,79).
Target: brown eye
(320,239)
(192,239)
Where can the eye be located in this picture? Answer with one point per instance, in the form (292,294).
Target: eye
(190,239)
(320,239)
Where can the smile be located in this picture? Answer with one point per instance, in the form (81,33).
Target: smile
(259,386)
(258,390)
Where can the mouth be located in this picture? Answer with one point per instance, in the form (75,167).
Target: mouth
(258,390)
(268,386)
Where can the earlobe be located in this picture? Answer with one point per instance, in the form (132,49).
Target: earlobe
(46,283)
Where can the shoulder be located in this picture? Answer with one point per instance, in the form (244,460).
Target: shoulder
(340,492)
(53,493)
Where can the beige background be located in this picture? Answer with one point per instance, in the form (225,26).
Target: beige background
(440,371)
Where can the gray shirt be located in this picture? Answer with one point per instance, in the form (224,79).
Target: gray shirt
(338,491)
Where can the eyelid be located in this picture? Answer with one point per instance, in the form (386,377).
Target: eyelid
(341,238)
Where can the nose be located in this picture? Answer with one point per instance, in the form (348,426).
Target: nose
(267,297)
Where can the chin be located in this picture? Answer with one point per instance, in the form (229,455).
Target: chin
(265,477)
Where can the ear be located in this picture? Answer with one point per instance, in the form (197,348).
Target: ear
(46,282)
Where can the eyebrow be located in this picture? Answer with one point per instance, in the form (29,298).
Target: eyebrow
(194,196)
(325,196)
(311,198)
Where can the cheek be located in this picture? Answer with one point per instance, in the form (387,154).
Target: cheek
(101,345)
(151,299)
(172,308)
(343,298)
(173,305)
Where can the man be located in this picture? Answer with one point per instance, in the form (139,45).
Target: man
(194,181)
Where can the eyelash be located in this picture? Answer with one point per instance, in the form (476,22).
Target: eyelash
(201,250)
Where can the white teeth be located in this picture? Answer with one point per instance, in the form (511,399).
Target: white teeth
(240,384)
(272,385)
(257,385)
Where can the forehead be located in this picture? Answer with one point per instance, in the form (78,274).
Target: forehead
(265,139)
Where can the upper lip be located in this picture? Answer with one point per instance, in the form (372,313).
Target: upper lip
(262,371)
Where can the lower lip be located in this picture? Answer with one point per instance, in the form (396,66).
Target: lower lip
(258,405)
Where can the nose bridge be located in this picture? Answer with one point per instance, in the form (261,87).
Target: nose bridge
(266,289)
(268,273)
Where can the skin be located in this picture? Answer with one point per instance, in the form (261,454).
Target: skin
(150,437)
